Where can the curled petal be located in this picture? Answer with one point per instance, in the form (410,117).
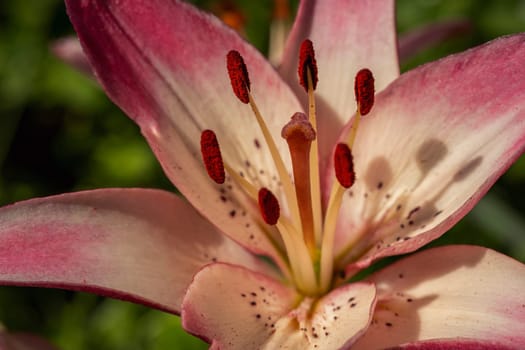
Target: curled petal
(134,244)
(450,294)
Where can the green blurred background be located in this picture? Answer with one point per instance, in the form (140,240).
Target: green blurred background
(59,133)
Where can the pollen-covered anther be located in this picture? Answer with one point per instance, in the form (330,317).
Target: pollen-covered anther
(307,63)
(238,73)
(344,165)
(364,90)
(269,206)
(211,156)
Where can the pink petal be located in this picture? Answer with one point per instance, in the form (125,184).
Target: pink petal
(133,244)
(419,39)
(434,143)
(233,307)
(23,341)
(452,293)
(348,35)
(164,64)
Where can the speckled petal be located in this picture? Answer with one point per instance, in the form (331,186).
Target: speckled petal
(134,244)
(233,307)
(451,293)
(434,143)
(164,63)
(333,322)
(348,35)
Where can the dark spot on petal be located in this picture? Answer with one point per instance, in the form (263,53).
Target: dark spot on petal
(253,294)
(388,324)
(232,213)
(223,198)
(256,143)
(253,303)
(409,300)
(380,185)
(258,315)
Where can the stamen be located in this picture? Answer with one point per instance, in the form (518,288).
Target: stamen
(345,174)
(269,206)
(364,91)
(238,73)
(211,156)
(307,64)
(344,165)
(364,95)
(241,87)
(299,135)
(308,79)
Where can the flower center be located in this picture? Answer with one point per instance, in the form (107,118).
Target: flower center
(307,231)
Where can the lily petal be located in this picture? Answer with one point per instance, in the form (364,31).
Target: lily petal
(164,64)
(335,322)
(233,307)
(134,244)
(434,143)
(452,293)
(348,35)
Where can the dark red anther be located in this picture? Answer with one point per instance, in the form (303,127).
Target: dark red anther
(238,75)
(269,206)
(211,156)
(344,165)
(307,63)
(364,90)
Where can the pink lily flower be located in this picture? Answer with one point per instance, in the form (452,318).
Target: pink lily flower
(409,163)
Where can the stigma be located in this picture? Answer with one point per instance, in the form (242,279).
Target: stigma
(306,227)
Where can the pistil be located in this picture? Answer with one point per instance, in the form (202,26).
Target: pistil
(299,135)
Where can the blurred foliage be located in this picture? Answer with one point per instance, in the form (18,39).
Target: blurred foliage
(59,133)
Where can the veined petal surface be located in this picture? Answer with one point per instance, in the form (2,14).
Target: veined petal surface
(164,63)
(452,293)
(135,244)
